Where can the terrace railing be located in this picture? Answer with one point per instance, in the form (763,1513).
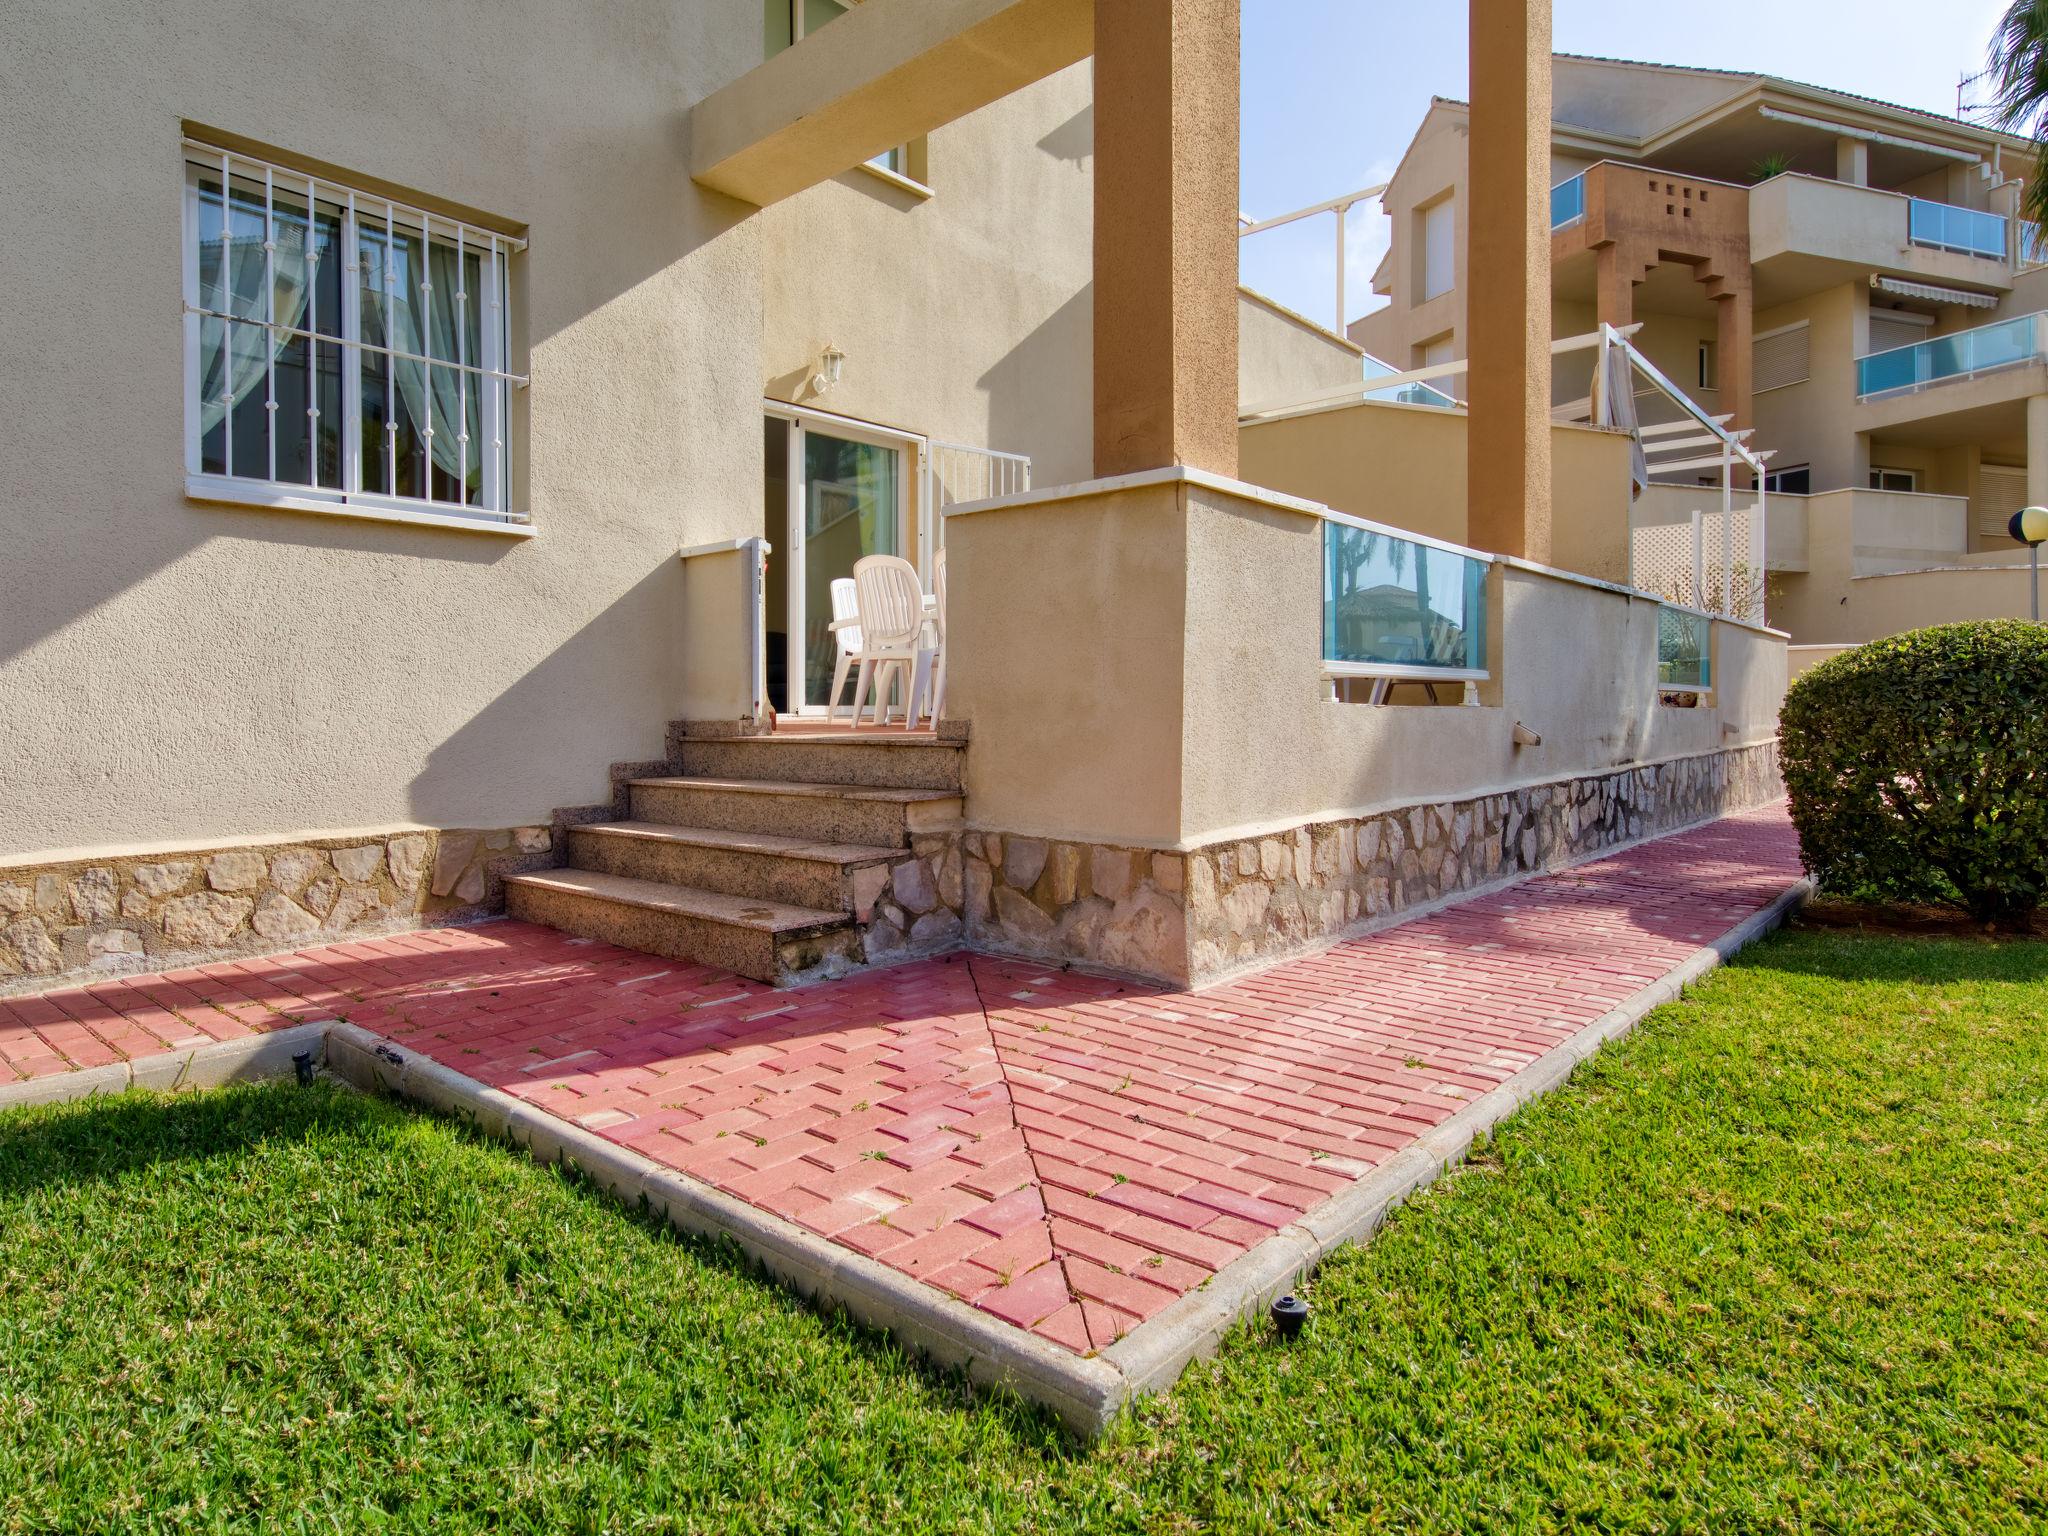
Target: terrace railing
(1959,355)
(1945,227)
(1568,201)
(1400,607)
(1684,649)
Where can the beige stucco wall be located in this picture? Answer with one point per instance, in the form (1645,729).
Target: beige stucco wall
(1883,562)
(960,319)
(1179,632)
(1435,163)
(1813,422)
(1405,465)
(1078,731)
(178,672)
(1284,356)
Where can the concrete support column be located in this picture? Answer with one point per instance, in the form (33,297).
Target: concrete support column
(2037,450)
(1615,287)
(1166,200)
(1734,325)
(1507,300)
(1852,161)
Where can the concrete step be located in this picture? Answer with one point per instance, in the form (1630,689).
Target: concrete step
(874,760)
(827,813)
(769,941)
(765,865)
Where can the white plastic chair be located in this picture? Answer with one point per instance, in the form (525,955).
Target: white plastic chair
(891,605)
(846,636)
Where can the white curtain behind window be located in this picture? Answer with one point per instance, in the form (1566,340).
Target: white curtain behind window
(238,362)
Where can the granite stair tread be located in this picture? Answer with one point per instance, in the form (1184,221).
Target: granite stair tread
(685,901)
(792,787)
(769,843)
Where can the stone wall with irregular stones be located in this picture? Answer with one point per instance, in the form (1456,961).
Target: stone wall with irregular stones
(146,912)
(1193,916)
(913,906)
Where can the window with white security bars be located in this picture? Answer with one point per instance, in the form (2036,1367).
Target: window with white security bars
(343,351)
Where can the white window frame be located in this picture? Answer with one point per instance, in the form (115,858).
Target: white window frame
(911,449)
(488,374)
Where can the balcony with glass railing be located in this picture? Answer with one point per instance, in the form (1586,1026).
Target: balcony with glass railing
(1568,201)
(1684,648)
(1945,227)
(1400,607)
(2003,344)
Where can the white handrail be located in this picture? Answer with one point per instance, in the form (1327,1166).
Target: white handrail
(1348,393)
(1341,206)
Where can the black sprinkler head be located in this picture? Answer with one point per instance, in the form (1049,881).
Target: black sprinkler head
(302,1067)
(1289,1313)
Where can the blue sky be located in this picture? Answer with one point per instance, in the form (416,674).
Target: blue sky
(1333,89)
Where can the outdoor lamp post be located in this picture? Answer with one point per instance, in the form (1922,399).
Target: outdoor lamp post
(2030,526)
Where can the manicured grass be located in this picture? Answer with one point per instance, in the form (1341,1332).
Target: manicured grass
(1777,1262)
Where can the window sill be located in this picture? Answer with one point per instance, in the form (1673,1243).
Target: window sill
(897,180)
(210,488)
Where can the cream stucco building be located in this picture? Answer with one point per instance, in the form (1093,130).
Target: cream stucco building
(1848,278)
(429,474)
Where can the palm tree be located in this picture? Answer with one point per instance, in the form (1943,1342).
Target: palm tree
(2019,76)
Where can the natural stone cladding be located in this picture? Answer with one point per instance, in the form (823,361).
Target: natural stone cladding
(151,911)
(916,909)
(1192,916)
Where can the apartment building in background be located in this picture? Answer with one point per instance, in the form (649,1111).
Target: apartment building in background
(1848,278)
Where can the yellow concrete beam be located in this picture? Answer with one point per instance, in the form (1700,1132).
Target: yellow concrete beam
(884,73)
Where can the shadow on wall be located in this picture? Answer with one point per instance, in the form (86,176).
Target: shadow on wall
(1022,411)
(1074,140)
(552,708)
(176,670)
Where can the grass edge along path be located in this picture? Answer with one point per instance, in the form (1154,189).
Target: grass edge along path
(1773,1262)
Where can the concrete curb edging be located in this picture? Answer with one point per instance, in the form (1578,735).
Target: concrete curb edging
(1088,1393)
(1152,1356)
(1085,1393)
(250,1059)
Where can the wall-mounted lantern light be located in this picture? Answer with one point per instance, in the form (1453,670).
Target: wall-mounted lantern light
(830,363)
(2030,526)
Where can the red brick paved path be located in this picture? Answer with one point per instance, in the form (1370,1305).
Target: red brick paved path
(1065,1152)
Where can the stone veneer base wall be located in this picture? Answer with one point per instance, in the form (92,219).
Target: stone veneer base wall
(1182,916)
(97,916)
(1194,916)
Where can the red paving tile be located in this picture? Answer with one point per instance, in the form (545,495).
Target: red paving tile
(1066,1152)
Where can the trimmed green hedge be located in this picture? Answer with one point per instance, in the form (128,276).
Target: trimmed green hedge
(1918,768)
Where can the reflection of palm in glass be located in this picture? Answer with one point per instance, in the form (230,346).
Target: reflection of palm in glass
(1393,601)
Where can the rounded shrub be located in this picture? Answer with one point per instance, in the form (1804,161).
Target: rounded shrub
(1917,765)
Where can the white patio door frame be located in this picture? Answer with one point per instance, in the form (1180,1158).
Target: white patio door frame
(909,445)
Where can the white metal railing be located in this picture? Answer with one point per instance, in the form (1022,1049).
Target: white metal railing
(1341,207)
(957,472)
(261,206)
(1715,561)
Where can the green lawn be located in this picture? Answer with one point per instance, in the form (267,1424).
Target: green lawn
(1778,1262)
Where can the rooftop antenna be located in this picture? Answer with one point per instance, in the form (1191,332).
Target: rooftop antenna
(1969,107)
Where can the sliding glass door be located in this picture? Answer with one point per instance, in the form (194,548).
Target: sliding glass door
(836,491)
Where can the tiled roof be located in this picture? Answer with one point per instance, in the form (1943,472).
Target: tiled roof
(1796,85)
